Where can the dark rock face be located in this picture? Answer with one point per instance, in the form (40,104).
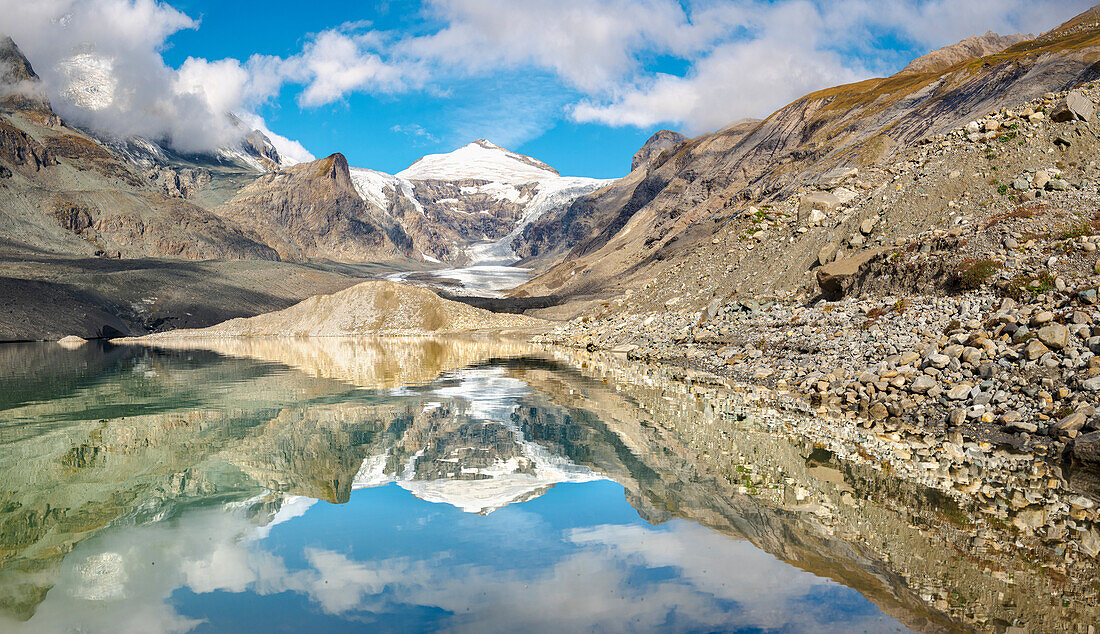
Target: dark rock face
(312,211)
(657,149)
(19,85)
(258,145)
(22,150)
(1086,450)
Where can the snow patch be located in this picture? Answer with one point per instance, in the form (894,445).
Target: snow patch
(479,160)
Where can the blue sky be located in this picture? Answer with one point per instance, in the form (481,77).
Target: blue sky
(579,84)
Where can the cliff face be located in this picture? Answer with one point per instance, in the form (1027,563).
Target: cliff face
(312,211)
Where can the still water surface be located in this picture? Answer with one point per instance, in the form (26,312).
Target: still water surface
(406,485)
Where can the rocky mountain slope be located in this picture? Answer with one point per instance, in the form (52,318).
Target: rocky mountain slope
(936,287)
(468,205)
(694,218)
(64,191)
(313,211)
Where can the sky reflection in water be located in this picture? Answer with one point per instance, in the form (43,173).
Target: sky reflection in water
(463,513)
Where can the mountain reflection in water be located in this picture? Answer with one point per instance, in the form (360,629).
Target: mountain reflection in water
(397,484)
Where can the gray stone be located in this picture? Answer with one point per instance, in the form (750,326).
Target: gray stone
(1055,336)
(959,392)
(1091,385)
(1035,350)
(1022,426)
(922,384)
(827,253)
(1057,185)
(836,176)
(971,356)
(1021,185)
(1075,106)
(939,361)
(823,201)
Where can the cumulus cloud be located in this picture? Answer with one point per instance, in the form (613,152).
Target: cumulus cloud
(336,63)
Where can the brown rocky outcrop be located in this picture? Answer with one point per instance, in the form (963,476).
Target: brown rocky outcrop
(22,150)
(970,48)
(370,308)
(662,145)
(312,211)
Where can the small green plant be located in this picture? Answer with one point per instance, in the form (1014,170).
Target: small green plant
(1005,138)
(1083,229)
(971,274)
(1026,287)
(1003,189)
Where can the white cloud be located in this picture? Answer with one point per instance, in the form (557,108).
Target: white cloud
(101,63)
(336,64)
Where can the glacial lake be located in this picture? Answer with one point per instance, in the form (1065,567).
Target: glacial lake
(457,485)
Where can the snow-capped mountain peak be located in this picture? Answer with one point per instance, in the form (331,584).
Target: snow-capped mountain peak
(481,160)
(467,206)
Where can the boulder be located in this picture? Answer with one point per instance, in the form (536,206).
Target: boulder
(868,225)
(1086,449)
(1073,422)
(1055,336)
(827,253)
(823,201)
(1035,350)
(939,361)
(836,176)
(1075,107)
(922,384)
(837,278)
(959,392)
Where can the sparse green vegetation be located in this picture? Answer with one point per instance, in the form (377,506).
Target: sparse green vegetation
(1002,189)
(1083,229)
(971,274)
(1026,286)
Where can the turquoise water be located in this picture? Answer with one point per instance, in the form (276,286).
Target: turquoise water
(372,487)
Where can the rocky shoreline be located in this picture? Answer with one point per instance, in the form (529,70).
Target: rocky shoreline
(1012,516)
(985,325)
